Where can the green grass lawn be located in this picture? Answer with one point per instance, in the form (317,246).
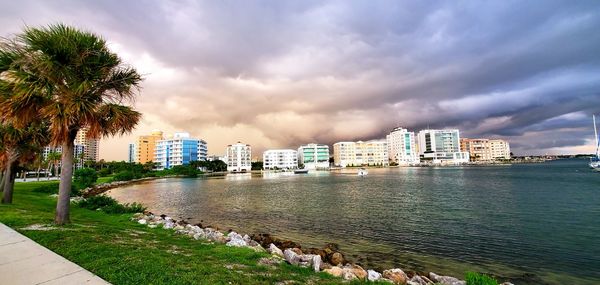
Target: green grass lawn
(124,252)
(104,179)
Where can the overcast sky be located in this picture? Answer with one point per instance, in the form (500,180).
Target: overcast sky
(277,74)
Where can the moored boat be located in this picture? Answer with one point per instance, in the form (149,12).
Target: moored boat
(301,171)
(595,160)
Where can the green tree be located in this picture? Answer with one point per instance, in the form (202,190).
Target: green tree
(70,79)
(256,165)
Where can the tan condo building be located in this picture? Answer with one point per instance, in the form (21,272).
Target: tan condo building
(146,146)
(485,149)
(374,152)
(90,146)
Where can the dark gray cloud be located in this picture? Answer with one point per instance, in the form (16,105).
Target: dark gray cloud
(281,73)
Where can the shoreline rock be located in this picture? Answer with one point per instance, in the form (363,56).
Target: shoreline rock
(328,259)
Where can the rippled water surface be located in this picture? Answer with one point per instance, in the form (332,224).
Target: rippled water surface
(533,223)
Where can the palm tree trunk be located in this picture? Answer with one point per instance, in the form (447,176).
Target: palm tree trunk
(64,189)
(2,181)
(9,179)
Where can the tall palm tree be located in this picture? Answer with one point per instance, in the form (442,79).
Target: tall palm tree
(72,80)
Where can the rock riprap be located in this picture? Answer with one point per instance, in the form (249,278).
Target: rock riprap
(328,259)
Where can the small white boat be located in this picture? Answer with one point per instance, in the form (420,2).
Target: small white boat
(595,160)
(362,172)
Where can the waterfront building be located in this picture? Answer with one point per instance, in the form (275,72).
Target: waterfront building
(401,146)
(132,157)
(500,149)
(91,145)
(239,157)
(280,159)
(485,149)
(217,157)
(313,156)
(373,152)
(180,149)
(441,147)
(146,146)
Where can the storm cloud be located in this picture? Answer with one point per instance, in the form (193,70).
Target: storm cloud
(283,73)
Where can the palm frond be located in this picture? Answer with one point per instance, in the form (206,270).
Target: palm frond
(113,119)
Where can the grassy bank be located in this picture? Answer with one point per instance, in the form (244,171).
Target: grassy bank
(123,252)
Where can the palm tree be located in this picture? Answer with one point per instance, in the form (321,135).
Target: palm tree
(72,80)
(53,158)
(20,146)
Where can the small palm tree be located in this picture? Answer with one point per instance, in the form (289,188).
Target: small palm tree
(20,146)
(70,79)
(53,159)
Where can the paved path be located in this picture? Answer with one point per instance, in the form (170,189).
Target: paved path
(23,261)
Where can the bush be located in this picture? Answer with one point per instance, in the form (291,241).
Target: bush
(124,176)
(52,188)
(184,170)
(85,177)
(150,174)
(474,278)
(110,205)
(104,172)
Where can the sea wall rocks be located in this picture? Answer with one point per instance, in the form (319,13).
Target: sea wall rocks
(328,259)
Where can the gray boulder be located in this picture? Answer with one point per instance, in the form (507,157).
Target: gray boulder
(417,280)
(446,280)
(317,262)
(273,249)
(291,257)
(236,239)
(373,275)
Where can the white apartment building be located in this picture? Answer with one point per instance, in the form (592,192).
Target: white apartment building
(374,152)
(132,153)
(441,147)
(239,157)
(402,146)
(313,156)
(500,149)
(180,149)
(91,146)
(280,159)
(78,155)
(485,149)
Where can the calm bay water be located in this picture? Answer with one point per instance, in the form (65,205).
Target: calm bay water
(533,223)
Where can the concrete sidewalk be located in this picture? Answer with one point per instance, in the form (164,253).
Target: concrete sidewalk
(23,261)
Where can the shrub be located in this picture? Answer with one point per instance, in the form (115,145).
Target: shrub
(474,278)
(150,174)
(52,188)
(85,177)
(104,172)
(185,170)
(124,176)
(110,205)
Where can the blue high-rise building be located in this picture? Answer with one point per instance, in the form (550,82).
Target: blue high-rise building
(179,150)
